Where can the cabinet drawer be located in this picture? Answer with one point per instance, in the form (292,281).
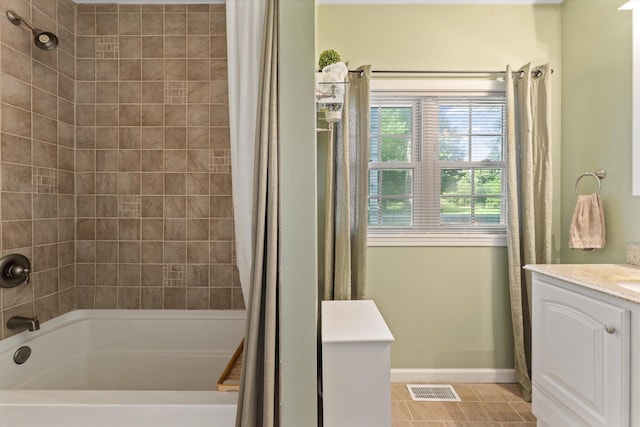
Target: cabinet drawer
(581,354)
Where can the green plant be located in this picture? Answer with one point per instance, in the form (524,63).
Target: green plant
(328,57)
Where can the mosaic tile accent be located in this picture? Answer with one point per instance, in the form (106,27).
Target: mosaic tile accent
(633,254)
(175,92)
(174,275)
(45,181)
(107,47)
(130,206)
(220,161)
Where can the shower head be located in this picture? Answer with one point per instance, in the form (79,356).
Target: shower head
(42,39)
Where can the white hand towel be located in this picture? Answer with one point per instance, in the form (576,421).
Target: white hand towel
(587,225)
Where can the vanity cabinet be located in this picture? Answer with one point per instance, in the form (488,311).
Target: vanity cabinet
(580,356)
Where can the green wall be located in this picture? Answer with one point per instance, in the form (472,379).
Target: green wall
(596,114)
(447,307)
(298,246)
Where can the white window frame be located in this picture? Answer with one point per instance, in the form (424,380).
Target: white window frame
(410,87)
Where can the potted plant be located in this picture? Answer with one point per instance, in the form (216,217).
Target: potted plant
(328,57)
(330,86)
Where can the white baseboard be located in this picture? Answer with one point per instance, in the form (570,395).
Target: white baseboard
(453,375)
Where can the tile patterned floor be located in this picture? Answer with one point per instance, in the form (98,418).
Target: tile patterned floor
(483,405)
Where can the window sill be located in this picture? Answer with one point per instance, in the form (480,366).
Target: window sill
(460,240)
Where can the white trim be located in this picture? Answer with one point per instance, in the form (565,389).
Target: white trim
(417,239)
(416,87)
(428,84)
(449,2)
(369,2)
(148,1)
(453,375)
(630,5)
(635,110)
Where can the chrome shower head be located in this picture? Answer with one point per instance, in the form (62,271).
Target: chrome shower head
(42,39)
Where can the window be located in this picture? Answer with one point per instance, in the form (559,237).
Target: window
(437,166)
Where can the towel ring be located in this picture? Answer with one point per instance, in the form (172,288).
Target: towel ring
(588,174)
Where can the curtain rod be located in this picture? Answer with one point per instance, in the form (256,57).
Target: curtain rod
(535,73)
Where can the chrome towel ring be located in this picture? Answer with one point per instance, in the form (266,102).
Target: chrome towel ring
(599,175)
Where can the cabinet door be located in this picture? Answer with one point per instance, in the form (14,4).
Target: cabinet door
(581,354)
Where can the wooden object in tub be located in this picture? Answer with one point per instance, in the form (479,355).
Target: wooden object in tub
(230,378)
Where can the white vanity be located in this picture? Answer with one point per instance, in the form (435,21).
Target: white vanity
(586,345)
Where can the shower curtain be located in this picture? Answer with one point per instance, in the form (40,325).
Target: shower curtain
(245,32)
(528,198)
(258,170)
(346,194)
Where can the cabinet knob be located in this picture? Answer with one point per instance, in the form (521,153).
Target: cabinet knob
(609,329)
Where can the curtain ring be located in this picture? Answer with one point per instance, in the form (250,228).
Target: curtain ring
(536,74)
(521,74)
(588,174)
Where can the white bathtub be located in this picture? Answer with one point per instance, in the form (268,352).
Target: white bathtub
(105,368)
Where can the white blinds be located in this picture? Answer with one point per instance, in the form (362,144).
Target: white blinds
(437,164)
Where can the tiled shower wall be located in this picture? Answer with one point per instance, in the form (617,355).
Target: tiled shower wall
(37,155)
(154,224)
(127,203)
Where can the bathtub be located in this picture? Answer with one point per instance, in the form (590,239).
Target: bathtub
(105,368)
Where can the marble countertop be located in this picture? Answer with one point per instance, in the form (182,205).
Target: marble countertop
(600,277)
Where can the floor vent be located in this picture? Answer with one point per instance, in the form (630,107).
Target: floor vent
(433,393)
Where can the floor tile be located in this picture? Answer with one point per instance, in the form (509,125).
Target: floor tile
(497,392)
(418,424)
(490,411)
(471,424)
(483,405)
(524,409)
(399,392)
(400,411)
(529,424)
(436,411)
(466,392)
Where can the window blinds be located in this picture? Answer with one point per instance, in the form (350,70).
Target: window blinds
(437,164)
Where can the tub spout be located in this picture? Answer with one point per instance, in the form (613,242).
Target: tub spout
(19,322)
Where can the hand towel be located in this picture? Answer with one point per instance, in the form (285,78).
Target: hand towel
(587,225)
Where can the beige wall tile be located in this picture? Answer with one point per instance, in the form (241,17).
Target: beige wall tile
(197,229)
(152,298)
(45,129)
(153,69)
(16,234)
(16,121)
(106,69)
(106,24)
(175,137)
(16,206)
(197,298)
(175,298)
(15,149)
(141,128)
(153,93)
(16,92)
(152,183)
(15,64)
(175,24)
(105,297)
(152,24)
(174,252)
(129,297)
(220,298)
(130,23)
